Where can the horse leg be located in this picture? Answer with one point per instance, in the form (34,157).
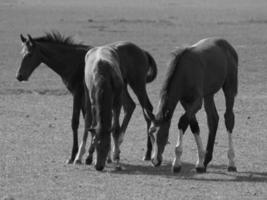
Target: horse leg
(196,131)
(148,141)
(140,91)
(229,118)
(177,164)
(128,107)
(116,133)
(213,119)
(78,159)
(75,125)
(200,149)
(87,123)
(183,123)
(91,150)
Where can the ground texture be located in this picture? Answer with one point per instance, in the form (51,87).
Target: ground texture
(35,133)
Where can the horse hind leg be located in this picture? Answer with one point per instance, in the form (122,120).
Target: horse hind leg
(140,91)
(229,118)
(213,120)
(128,107)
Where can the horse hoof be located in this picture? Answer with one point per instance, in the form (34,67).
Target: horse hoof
(118,168)
(147,158)
(232,169)
(176,169)
(89,161)
(99,168)
(201,169)
(156,163)
(77,162)
(69,161)
(109,160)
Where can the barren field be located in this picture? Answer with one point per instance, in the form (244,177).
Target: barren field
(35,131)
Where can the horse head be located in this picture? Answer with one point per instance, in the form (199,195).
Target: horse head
(30,60)
(158,132)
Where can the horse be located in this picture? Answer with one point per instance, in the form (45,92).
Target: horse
(194,75)
(137,67)
(104,83)
(66,58)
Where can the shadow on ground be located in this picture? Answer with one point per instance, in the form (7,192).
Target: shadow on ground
(188,172)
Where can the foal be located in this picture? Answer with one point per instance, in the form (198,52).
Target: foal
(195,73)
(104,83)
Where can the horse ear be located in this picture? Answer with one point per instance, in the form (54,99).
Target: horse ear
(31,40)
(23,39)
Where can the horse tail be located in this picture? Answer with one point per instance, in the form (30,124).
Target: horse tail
(152,71)
(229,48)
(232,56)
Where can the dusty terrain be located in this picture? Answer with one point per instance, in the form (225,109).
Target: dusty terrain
(35,133)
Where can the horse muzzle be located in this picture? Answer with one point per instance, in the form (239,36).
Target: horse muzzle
(21,78)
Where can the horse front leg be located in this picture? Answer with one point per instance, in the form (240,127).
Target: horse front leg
(89,158)
(117,134)
(74,126)
(184,121)
(81,152)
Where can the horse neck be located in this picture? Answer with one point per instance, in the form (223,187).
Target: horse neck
(104,106)
(65,60)
(168,101)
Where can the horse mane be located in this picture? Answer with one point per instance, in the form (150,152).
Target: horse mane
(57,38)
(176,56)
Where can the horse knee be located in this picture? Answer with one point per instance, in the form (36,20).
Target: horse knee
(129,108)
(74,124)
(194,127)
(229,118)
(183,123)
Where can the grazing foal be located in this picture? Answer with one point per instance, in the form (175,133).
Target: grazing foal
(104,83)
(137,67)
(195,73)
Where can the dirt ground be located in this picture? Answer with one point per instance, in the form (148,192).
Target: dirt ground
(35,133)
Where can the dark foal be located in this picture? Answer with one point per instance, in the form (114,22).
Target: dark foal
(64,57)
(195,73)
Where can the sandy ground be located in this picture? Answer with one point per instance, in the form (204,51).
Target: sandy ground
(35,133)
